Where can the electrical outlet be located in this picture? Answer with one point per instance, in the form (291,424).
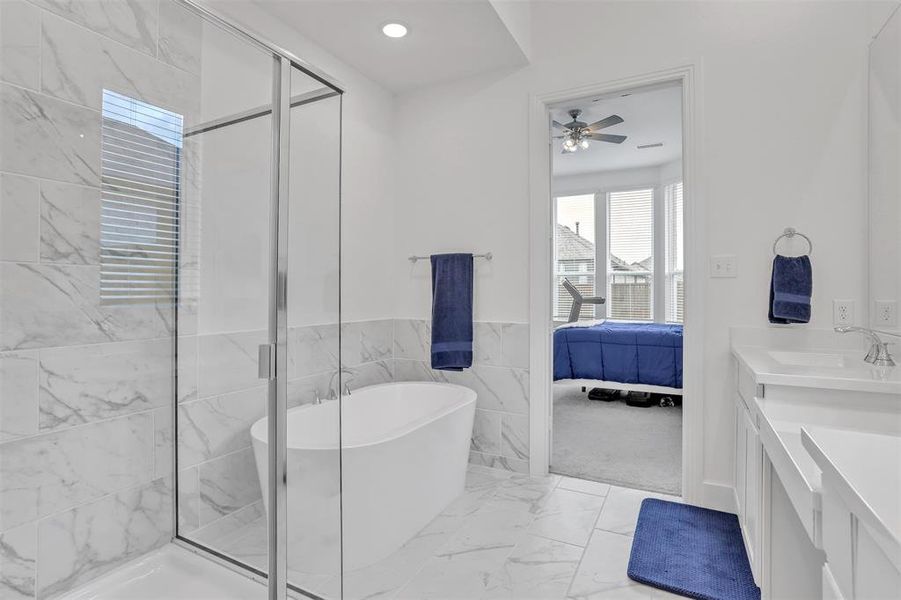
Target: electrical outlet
(724,265)
(886,313)
(842,312)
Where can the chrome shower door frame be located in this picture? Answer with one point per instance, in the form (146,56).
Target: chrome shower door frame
(283,64)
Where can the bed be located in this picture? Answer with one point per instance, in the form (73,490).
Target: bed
(616,355)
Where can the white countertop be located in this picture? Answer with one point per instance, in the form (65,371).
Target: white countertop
(782,417)
(828,369)
(868,469)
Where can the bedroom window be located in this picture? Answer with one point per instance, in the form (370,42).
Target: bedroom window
(636,237)
(675,298)
(574,252)
(140,154)
(630,255)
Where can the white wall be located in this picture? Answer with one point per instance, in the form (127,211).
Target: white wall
(884,174)
(781,100)
(368,142)
(619,178)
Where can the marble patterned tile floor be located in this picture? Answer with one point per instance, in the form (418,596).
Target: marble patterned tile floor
(507,536)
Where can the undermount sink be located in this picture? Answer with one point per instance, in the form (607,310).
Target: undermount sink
(807,359)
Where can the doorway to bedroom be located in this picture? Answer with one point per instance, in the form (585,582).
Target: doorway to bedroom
(618,294)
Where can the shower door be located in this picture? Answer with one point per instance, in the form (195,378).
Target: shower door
(224,302)
(313,541)
(258,316)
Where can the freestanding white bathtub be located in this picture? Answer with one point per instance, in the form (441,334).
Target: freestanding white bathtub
(405,451)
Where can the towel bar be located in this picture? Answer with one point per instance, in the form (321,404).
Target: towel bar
(486,256)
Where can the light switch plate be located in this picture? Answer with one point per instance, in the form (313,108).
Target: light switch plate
(724,265)
(842,312)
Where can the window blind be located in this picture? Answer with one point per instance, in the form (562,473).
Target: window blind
(630,273)
(139,226)
(574,252)
(675,265)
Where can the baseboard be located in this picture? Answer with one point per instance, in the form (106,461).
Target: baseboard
(717,496)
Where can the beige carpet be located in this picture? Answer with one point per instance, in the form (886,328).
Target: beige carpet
(613,443)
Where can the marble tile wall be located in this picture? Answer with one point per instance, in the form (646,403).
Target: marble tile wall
(85,387)
(500,376)
(221,397)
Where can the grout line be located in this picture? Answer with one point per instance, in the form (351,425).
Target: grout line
(62,430)
(41,178)
(85,503)
(53,98)
(587,544)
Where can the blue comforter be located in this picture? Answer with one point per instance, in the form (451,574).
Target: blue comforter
(646,353)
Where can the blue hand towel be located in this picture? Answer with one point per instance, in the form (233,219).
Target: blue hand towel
(451,311)
(790,289)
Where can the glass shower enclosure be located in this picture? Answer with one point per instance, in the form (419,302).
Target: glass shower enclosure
(169,290)
(258,315)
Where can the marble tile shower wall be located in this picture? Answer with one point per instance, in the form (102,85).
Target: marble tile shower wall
(220,397)
(500,376)
(85,387)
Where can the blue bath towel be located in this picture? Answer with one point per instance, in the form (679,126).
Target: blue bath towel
(451,311)
(791,286)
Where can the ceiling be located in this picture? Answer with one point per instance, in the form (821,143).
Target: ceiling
(651,116)
(447,39)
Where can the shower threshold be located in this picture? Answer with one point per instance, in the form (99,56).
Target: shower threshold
(173,573)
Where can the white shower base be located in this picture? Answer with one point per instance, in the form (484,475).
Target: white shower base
(172,573)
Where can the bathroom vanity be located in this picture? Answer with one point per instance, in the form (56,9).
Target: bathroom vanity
(818,472)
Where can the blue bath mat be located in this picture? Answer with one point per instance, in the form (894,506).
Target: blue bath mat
(691,551)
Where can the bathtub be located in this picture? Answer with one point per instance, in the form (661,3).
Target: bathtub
(405,451)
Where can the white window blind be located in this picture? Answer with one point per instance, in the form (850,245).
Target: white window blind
(630,272)
(574,252)
(140,171)
(675,286)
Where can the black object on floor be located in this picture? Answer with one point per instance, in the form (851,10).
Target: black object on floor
(641,399)
(603,394)
(692,551)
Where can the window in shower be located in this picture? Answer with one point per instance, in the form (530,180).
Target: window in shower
(140,154)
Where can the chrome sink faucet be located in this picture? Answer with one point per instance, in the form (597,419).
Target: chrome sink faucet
(878,354)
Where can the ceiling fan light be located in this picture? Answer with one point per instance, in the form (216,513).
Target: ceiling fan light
(583,143)
(569,144)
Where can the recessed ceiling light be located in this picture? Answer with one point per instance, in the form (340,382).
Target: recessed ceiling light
(394,30)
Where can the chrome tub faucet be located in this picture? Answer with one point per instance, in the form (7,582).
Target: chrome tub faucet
(331,384)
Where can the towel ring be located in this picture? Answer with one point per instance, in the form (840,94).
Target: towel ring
(791,232)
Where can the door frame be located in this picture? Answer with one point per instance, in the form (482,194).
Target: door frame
(540,271)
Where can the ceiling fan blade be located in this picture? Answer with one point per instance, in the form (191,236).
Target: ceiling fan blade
(608,122)
(560,125)
(607,137)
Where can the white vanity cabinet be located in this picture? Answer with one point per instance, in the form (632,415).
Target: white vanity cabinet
(860,536)
(818,525)
(748,475)
(857,564)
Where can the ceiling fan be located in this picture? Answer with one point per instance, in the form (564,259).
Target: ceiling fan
(577,134)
